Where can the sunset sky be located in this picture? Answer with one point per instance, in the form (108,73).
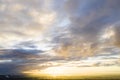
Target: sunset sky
(60,37)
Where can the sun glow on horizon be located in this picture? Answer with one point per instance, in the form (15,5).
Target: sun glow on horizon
(56,71)
(74,71)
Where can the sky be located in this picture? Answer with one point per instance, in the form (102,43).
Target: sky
(45,36)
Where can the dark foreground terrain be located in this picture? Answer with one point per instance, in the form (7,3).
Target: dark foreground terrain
(15,77)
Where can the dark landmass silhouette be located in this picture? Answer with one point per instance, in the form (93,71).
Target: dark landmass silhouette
(21,77)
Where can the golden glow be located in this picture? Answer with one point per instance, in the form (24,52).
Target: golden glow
(74,71)
(56,71)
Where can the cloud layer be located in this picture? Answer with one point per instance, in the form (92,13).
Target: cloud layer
(44,33)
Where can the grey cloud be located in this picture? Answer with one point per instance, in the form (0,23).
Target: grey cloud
(19,53)
(117,35)
(72,6)
(89,25)
(26,44)
(87,20)
(9,68)
(23,60)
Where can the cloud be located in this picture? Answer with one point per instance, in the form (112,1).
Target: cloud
(9,68)
(40,34)
(26,44)
(117,30)
(24,19)
(16,61)
(88,19)
(19,53)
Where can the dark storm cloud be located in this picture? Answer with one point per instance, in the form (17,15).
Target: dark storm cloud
(19,53)
(9,68)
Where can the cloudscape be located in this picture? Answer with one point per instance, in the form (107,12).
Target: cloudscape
(59,37)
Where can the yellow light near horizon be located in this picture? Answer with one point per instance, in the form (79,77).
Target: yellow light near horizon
(53,71)
(56,71)
(63,71)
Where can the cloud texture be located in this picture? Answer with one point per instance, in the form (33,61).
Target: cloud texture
(46,33)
